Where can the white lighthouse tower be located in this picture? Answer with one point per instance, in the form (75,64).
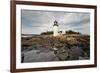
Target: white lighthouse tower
(55,29)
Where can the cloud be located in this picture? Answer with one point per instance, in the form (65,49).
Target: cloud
(35,22)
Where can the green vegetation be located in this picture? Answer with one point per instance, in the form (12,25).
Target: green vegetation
(47,33)
(72,32)
(67,32)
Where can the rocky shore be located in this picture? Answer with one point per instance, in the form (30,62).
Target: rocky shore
(46,48)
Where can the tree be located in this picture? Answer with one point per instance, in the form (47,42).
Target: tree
(47,33)
(72,32)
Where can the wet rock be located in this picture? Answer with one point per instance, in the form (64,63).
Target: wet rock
(74,53)
(62,54)
(34,56)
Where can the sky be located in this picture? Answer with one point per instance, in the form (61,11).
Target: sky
(35,22)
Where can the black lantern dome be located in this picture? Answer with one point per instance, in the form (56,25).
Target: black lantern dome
(55,23)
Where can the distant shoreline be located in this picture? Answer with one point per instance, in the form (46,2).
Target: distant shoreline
(31,35)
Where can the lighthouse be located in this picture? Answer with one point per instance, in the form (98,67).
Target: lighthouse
(55,29)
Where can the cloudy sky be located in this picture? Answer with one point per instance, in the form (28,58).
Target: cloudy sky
(35,22)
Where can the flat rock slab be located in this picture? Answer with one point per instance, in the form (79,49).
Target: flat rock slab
(38,56)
